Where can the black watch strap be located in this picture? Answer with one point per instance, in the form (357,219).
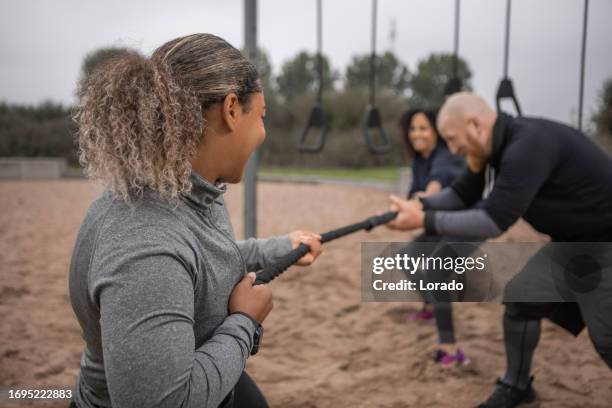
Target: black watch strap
(423,203)
(257,336)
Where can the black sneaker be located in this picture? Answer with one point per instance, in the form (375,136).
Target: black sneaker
(507,396)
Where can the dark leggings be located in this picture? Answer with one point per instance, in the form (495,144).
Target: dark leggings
(441,302)
(247,394)
(521,336)
(443,311)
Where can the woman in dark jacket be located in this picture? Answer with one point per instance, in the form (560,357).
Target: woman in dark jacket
(433,168)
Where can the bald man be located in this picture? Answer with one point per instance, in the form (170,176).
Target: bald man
(555,178)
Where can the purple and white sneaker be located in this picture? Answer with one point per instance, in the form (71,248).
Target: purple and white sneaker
(423,315)
(447,360)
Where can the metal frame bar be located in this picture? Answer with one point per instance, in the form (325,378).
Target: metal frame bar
(250,174)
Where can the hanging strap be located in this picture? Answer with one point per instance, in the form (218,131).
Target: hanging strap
(582,63)
(454,84)
(317,118)
(506,88)
(372,120)
(272,271)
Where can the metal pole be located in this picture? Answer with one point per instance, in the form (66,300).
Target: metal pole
(507,42)
(582,63)
(250,176)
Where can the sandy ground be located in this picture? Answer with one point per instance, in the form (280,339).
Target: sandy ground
(323,347)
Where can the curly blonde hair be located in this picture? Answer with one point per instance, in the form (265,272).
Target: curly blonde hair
(141,119)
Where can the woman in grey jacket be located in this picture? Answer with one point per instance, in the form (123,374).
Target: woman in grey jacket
(157,281)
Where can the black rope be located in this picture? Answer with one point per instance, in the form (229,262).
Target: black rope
(373,55)
(582,63)
(272,271)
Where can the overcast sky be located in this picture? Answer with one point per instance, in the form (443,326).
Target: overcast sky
(43,42)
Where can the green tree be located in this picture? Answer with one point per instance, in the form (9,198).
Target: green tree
(431,76)
(299,76)
(391,73)
(42,130)
(603,117)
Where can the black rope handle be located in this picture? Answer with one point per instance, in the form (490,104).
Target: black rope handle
(373,121)
(506,90)
(272,271)
(317,119)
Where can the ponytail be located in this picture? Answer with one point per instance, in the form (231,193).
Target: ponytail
(137,127)
(141,119)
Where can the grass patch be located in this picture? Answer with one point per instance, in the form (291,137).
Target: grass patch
(371,173)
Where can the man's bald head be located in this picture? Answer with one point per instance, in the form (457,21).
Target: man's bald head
(463,105)
(466,124)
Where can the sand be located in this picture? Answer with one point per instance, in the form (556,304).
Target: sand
(323,347)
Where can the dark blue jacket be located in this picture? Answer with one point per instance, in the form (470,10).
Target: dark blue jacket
(441,166)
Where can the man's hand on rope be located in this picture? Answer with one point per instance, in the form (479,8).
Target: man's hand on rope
(410,214)
(312,239)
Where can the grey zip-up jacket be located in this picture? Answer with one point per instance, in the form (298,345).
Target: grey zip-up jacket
(150,284)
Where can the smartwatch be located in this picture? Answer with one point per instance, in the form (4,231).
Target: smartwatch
(258,336)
